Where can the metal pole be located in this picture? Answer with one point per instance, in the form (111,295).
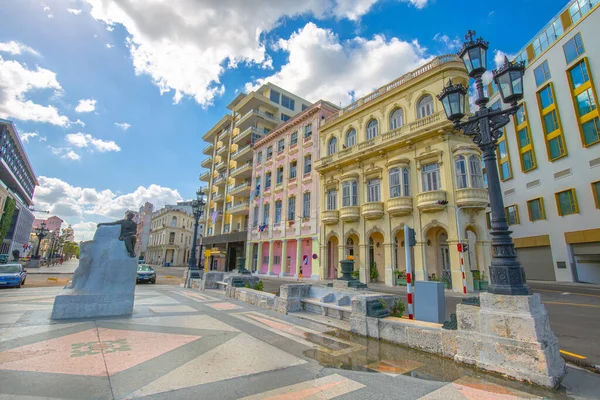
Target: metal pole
(408,270)
(461,252)
(192,261)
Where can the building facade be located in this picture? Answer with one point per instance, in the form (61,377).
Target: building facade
(549,157)
(53,224)
(143,229)
(284,198)
(229,168)
(170,242)
(392,158)
(17,182)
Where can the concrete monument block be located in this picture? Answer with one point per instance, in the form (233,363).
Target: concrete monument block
(514,338)
(210,279)
(104,283)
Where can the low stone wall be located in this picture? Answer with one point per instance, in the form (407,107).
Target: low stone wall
(210,279)
(251,296)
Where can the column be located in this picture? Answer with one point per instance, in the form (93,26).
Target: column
(283,257)
(271,248)
(259,257)
(363,265)
(249,246)
(419,255)
(317,264)
(389,263)
(341,256)
(298,255)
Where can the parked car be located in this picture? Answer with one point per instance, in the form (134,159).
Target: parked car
(145,273)
(3,258)
(12,275)
(141,262)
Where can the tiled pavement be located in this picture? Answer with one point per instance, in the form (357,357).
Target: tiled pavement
(183,344)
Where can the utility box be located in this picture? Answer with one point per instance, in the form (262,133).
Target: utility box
(430,303)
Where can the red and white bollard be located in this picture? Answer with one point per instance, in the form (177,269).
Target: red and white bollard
(407,246)
(462,266)
(409,293)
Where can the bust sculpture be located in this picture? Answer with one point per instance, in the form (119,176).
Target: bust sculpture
(128,230)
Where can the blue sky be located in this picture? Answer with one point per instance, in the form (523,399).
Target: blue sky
(165,71)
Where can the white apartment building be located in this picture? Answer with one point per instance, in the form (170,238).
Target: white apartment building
(549,157)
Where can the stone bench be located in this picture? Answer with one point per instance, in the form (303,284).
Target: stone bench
(327,308)
(221,285)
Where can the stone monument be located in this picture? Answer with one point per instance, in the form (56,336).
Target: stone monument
(104,283)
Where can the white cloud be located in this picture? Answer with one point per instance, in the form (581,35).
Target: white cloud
(43,139)
(50,15)
(499,57)
(74,11)
(16,48)
(16,80)
(86,140)
(26,136)
(109,46)
(451,44)
(186,50)
(79,122)
(64,152)
(123,125)
(109,28)
(86,105)
(87,204)
(322,66)
(71,155)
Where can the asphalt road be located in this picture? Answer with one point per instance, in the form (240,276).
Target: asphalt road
(573,309)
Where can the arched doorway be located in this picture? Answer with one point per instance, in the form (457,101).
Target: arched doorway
(438,254)
(351,250)
(332,257)
(376,257)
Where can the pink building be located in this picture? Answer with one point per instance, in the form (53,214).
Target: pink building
(284,201)
(53,224)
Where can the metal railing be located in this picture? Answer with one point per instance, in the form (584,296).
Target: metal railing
(244,165)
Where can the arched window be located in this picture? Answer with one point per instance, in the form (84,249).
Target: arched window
(461,172)
(425,106)
(351,138)
(396,118)
(174,222)
(372,129)
(475,171)
(332,147)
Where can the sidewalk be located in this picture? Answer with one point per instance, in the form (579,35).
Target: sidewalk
(68,267)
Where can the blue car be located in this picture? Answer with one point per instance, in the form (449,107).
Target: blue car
(145,273)
(12,275)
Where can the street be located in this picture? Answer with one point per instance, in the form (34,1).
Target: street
(574,309)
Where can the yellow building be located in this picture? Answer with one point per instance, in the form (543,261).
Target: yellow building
(229,165)
(170,240)
(392,158)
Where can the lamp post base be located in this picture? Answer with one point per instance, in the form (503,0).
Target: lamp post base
(510,335)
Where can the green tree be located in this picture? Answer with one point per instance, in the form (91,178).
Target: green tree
(70,249)
(9,210)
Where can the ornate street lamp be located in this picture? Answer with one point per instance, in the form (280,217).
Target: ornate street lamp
(507,276)
(197,210)
(41,233)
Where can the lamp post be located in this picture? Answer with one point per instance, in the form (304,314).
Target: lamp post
(198,211)
(507,276)
(41,233)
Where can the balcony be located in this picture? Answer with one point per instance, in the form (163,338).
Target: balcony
(208,150)
(219,181)
(247,133)
(239,208)
(207,162)
(372,210)
(223,134)
(400,206)
(430,201)
(244,153)
(350,214)
(330,217)
(223,150)
(253,115)
(243,171)
(307,141)
(242,189)
(472,198)
(220,165)
(205,176)
(217,197)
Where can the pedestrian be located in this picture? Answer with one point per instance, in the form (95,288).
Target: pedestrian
(60,260)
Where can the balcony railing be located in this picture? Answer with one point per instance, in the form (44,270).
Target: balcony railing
(330,217)
(350,213)
(241,167)
(238,152)
(372,210)
(388,138)
(237,188)
(250,130)
(394,84)
(399,206)
(218,180)
(224,133)
(242,206)
(431,201)
(208,150)
(472,197)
